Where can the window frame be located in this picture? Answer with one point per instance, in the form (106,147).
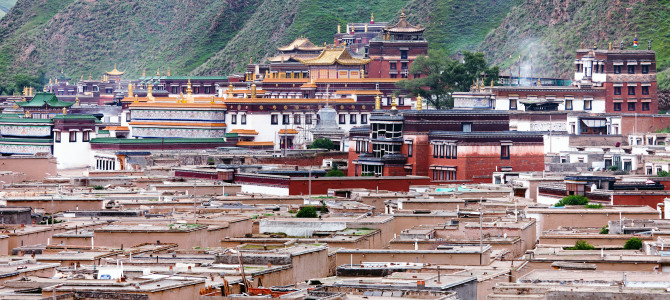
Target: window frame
(589,106)
(342,119)
(617,90)
(353,119)
(513,107)
(274,119)
(243,119)
(645,90)
(568,107)
(86,136)
(631,69)
(233,118)
(631,90)
(504,151)
(617,106)
(364,118)
(631,105)
(57,136)
(286,119)
(73,136)
(646,106)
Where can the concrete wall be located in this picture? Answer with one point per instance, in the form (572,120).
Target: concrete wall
(35,168)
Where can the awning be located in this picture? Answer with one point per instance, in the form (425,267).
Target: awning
(594,123)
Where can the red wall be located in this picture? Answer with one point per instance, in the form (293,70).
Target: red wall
(300,186)
(640,199)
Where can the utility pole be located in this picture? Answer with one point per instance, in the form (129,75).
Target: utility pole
(481,237)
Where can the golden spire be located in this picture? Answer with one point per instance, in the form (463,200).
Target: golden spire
(419,104)
(27,115)
(168,74)
(339,28)
(378,102)
(136,99)
(90,77)
(64,111)
(144,72)
(76,100)
(130,89)
(230,90)
(212,100)
(402,15)
(50,81)
(372,18)
(189,89)
(45,89)
(610,46)
(150,94)
(158,71)
(253,90)
(393,104)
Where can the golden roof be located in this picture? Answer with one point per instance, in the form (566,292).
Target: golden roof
(117,128)
(300,44)
(286,100)
(115,72)
(179,124)
(358,92)
(403,26)
(288,131)
(357,80)
(244,131)
(285,80)
(331,56)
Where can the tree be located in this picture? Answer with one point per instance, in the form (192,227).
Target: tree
(322,143)
(441,76)
(581,245)
(306,212)
(604,230)
(335,172)
(572,200)
(633,244)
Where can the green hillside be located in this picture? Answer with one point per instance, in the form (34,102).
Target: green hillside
(5,6)
(85,37)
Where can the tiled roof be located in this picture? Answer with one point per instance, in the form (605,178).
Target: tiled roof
(288,131)
(117,128)
(404,27)
(300,44)
(331,56)
(358,92)
(179,124)
(245,143)
(244,131)
(287,101)
(156,140)
(42,99)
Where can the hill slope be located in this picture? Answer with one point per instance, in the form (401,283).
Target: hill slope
(5,6)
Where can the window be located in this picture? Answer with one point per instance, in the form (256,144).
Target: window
(645,90)
(403,54)
(403,66)
(617,90)
(512,104)
(233,119)
(57,137)
(454,152)
(343,119)
(645,69)
(466,127)
(587,104)
(364,119)
(393,66)
(504,152)
(441,150)
(617,106)
(410,149)
(296,120)
(308,119)
(243,119)
(568,104)
(128,117)
(631,69)
(274,119)
(352,119)
(73,136)
(617,69)
(631,90)
(435,151)
(86,136)
(286,119)
(631,106)
(394,75)
(645,106)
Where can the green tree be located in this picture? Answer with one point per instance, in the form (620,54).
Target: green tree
(322,143)
(572,200)
(604,230)
(306,212)
(441,76)
(335,172)
(581,245)
(663,174)
(633,244)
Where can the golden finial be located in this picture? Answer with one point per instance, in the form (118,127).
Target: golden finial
(130,89)
(168,73)
(90,76)
(419,102)
(212,100)
(144,72)
(339,28)
(253,90)
(136,99)
(393,104)
(372,18)
(378,102)
(50,81)
(610,46)
(27,115)
(230,90)
(45,89)
(402,15)
(158,71)
(76,100)
(581,45)
(64,111)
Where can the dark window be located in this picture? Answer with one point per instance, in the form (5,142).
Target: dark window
(466,126)
(243,120)
(393,66)
(568,104)
(631,69)
(274,119)
(645,106)
(286,119)
(296,120)
(504,152)
(512,104)
(308,119)
(73,136)
(617,106)
(435,151)
(631,90)
(128,117)
(364,119)
(410,149)
(454,152)
(617,90)
(233,119)
(175,90)
(394,75)
(645,90)
(86,136)
(57,137)
(587,104)
(631,106)
(403,54)
(352,119)
(343,119)
(403,66)
(645,69)
(207,90)
(617,69)
(602,68)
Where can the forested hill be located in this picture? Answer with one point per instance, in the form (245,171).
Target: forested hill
(85,37)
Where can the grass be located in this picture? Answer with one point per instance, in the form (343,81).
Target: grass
(594,206)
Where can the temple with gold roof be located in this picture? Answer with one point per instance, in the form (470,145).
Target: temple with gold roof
(335,63)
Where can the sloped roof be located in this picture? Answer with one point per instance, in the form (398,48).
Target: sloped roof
(300,44)
(44,99)
(404,27)
(330,56)
(115,72)
(244,131)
